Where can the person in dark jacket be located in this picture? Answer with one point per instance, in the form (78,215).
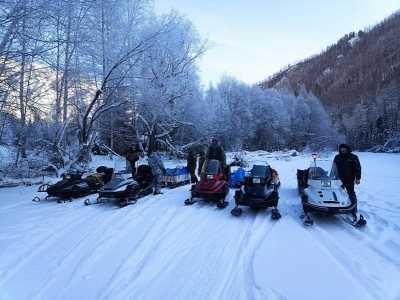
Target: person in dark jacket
(196,150)
(215,151)
(132,156)
(349,170)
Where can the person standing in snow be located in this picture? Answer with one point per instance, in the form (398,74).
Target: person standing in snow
(132,156)
(157,168)
(349,170)
(215,151)
(195,150)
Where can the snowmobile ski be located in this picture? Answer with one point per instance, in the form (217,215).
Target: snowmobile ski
(190,201)
(275,214)
(222,204)
(237,211)
(357,222)
(36,199)
(308,221)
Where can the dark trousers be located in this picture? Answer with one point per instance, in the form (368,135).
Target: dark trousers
(350,190)
(193,178)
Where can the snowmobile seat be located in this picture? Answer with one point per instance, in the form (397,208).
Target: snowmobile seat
(108,173)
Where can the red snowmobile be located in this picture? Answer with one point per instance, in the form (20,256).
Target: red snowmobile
(212,187)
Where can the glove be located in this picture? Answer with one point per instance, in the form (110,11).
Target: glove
(358,181)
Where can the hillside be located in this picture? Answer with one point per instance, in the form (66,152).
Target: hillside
(357,80)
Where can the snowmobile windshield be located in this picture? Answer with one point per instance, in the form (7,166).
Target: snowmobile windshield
(212,167)
(72,176)
(322,170)
(260,171)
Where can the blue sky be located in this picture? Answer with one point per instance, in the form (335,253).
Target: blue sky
(253,39)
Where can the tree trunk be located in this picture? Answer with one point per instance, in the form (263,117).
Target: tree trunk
(58,87)
(10,29)
(104,41)
(67,58)
(22,108)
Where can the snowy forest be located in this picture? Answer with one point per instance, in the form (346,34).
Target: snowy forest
(138,162)
(75,73)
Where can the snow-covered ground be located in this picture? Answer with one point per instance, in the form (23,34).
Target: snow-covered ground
(161,249)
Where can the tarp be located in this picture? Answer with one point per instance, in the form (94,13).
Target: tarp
(237,178)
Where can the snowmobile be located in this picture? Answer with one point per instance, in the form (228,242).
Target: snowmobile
(322,191)
(125,189)
(72,185)
(259,191)
(213,185)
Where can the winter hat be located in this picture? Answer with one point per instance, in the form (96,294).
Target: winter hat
(345,146)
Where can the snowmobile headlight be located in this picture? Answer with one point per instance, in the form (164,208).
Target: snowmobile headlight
(326,183)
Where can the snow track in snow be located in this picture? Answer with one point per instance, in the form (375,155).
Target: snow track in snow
(159,248)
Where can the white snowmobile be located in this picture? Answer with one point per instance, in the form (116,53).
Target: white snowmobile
(322,191)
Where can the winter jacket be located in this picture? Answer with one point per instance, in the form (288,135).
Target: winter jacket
(132,156)
(348,166)
(218,153)
(156,164)
(194,151)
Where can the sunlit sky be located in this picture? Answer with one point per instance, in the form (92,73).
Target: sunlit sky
(253,39)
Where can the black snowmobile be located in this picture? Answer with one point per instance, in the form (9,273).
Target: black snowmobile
(322,192)
(125,189)
(73,185)
(260,191)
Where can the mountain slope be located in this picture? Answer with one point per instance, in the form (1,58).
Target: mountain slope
(357,80)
